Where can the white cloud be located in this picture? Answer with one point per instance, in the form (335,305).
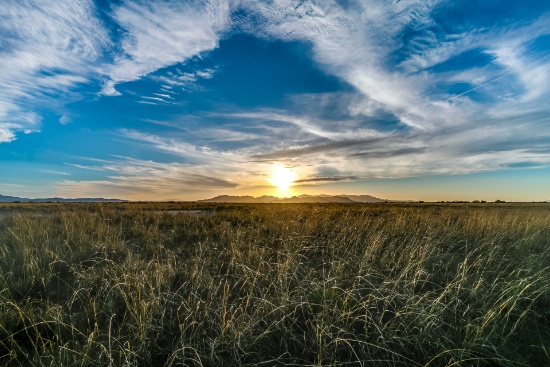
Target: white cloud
(533,74)
(91,168)
(6,133)
(47,46)
(162,34)
(53,172)
(162,95)
(354,44)
(26,122)
(133,179)
(496,144)
(108,89)
(65,119)
(331,130)
(200,155)
(357,44)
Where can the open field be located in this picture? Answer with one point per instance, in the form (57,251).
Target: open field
(274,284)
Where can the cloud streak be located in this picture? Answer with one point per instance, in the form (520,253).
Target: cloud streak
(133,179)
(316,180)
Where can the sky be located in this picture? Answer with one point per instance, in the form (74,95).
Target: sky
(185,100)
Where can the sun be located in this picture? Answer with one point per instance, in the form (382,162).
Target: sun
(282,177)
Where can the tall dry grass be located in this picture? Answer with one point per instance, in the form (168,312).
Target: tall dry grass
(264,285)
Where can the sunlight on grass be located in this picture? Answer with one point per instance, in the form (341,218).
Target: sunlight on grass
(293,284)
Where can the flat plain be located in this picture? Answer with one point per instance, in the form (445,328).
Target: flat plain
(187,284)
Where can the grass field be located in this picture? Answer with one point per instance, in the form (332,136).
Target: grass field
(272,285)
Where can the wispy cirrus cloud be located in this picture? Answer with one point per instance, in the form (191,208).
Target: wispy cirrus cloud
(360,44)
(131,178)
(317,179)
(47,47)
(51,47)
(401,62)
(160,34)
(447,132)
(190,152)
(54,172)
(174,84)
(315,127)
(489,143)
(87,167)
(355,43)
(203,169)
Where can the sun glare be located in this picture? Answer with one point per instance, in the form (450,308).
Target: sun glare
(282,177)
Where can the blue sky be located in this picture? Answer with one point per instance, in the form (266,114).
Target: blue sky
(184,100)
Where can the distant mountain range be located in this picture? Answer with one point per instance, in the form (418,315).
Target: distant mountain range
(12,199)
(296,199)
(220,199)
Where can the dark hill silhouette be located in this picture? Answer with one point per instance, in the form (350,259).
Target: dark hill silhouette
(296,199)
(12,199)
